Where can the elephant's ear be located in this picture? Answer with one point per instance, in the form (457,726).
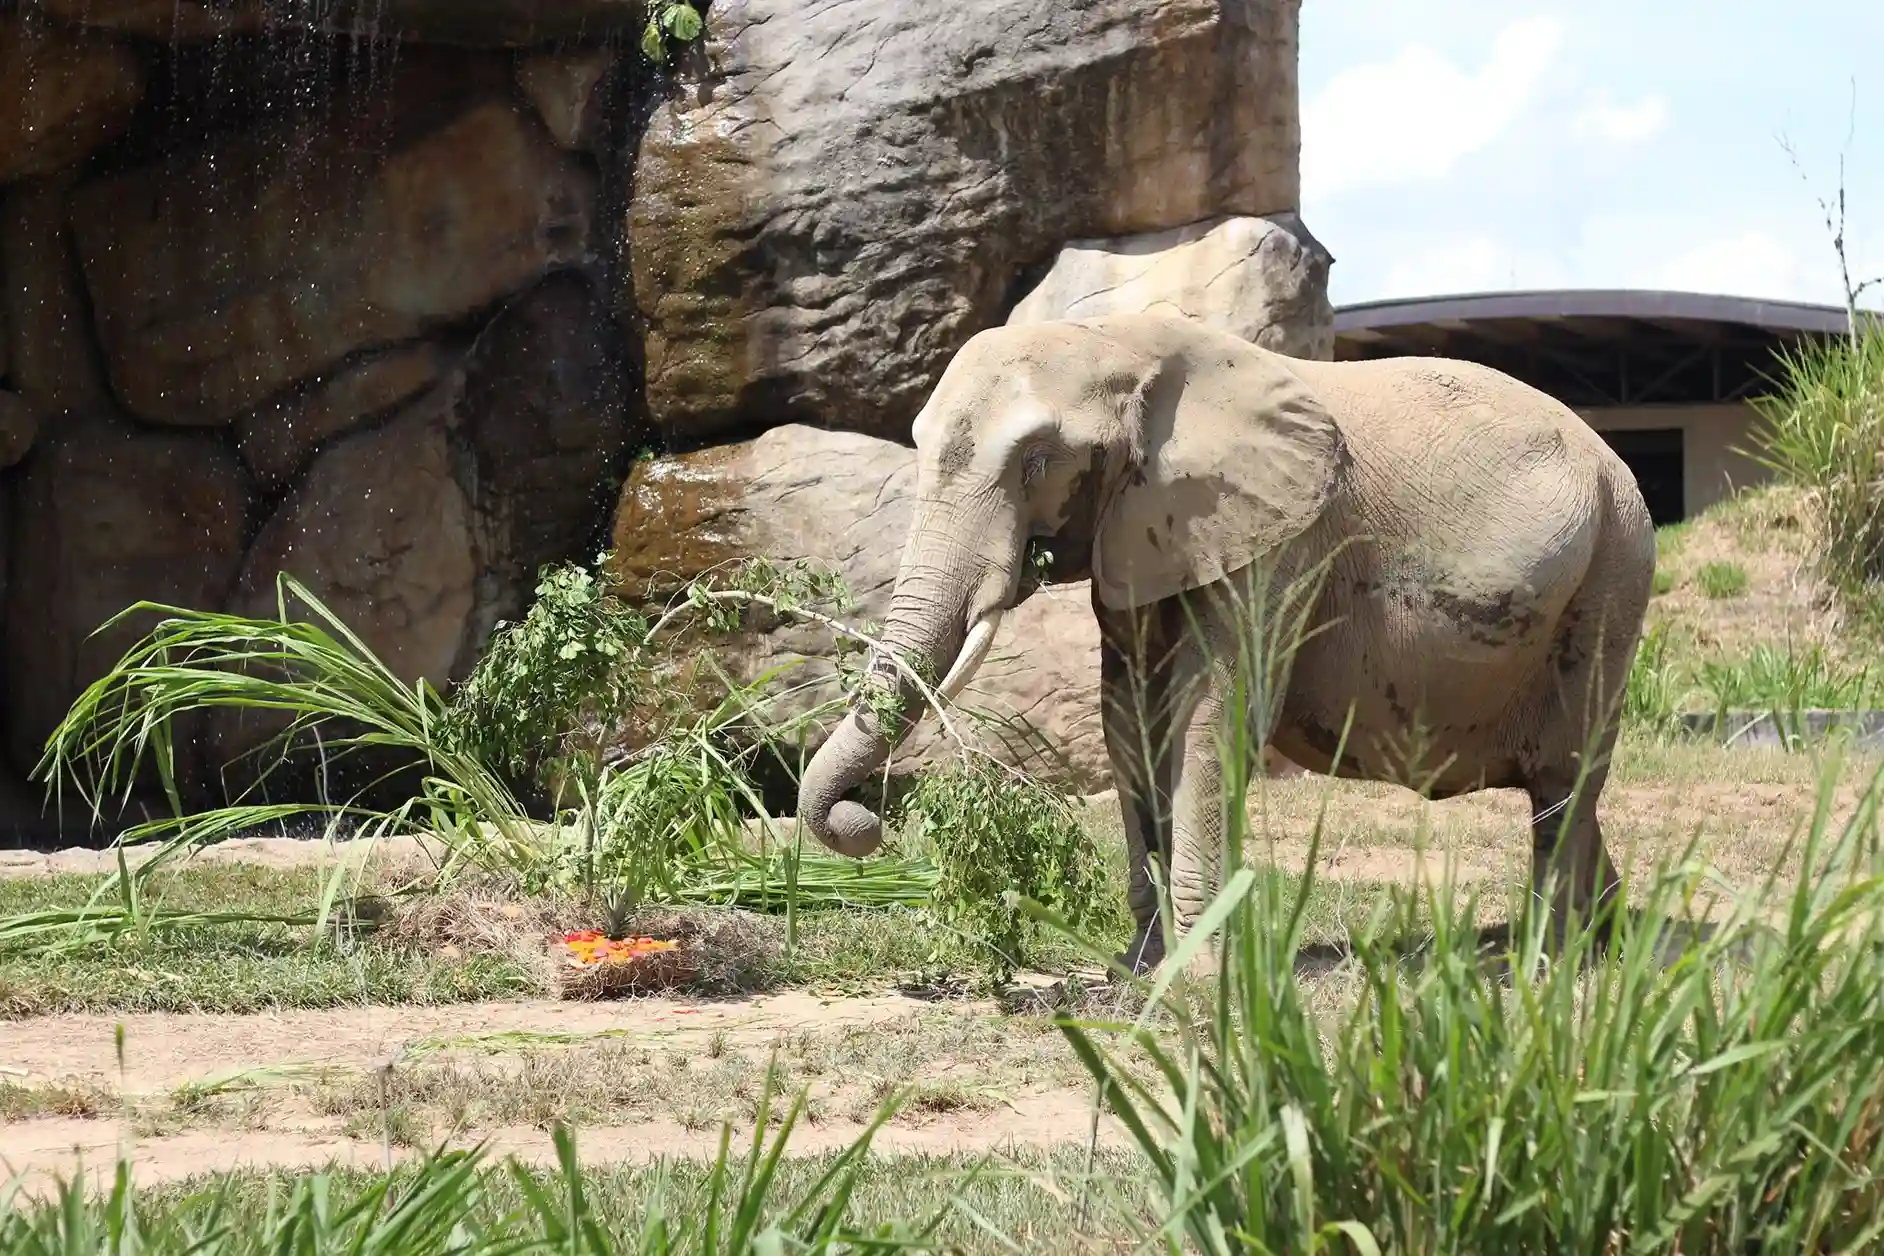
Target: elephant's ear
(1235,456)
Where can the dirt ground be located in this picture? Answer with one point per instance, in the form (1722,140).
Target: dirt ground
(269,1064)
(199,1093)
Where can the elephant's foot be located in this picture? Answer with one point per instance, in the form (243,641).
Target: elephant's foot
(1145,951)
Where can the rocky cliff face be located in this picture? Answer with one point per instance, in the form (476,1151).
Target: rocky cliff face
(383,295)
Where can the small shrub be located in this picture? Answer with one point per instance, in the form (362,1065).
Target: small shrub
(1000,837)
(1721,580)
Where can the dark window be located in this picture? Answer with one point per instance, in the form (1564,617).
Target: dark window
(1655,455)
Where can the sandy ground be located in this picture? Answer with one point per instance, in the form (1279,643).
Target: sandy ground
(162,1053)
(164,1050)
(38,1154)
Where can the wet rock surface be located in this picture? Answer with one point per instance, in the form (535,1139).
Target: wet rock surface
(213,290)
(106,514)
(847,193)
(467,23)
(569,91)
(279,436)
(53,358)
(63,93)
(542,410)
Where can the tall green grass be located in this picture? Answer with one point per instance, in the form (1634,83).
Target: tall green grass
(1694,1071)
(441,1207)
(1821,429)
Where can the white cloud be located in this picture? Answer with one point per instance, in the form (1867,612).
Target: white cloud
(1414,117)
(1601,119)
(1748,263)
(1452,265)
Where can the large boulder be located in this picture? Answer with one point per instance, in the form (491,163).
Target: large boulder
(62,95)
(52,359)
(542,410)
(279,436)
(481,23)
(225,274)
(107,514)
(380,531)
(1264,279)
(825,217)
(844,501)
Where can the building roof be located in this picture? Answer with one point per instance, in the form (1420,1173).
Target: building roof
(1596,347)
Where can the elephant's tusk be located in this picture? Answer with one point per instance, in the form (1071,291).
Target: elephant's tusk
(980,637)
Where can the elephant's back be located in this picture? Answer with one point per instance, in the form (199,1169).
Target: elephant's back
(1472,515)
(1467,465)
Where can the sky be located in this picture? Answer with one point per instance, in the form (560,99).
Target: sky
(1456,146)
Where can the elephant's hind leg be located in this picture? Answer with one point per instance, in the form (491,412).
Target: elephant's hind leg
(1567,850)
(1589,669)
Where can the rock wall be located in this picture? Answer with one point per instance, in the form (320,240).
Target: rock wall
(384,295)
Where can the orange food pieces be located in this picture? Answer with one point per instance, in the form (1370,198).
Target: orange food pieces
(591,946)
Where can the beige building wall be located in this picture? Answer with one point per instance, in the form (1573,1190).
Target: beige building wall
(1712,435)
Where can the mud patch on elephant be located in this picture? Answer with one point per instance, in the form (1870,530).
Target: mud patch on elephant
(1495,620)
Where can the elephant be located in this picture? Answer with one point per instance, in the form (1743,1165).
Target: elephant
(1477,564)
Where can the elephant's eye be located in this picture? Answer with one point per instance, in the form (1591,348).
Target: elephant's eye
(1034,464)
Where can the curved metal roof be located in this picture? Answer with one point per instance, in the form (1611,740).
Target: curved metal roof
(1597,346)
(1594,303)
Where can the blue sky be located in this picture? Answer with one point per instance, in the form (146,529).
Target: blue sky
(1485,145)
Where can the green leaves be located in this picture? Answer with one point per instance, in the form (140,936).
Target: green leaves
(1700,1092)
(999,838)
(669,19)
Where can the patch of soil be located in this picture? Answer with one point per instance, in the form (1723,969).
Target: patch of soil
(42,1152)
(165,1050)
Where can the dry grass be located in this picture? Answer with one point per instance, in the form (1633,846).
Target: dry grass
(1766,533)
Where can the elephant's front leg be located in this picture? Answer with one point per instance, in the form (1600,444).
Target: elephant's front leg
(1136,731)
(1197,805)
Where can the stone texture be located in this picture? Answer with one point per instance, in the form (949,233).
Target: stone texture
(19,424)
(280,435)
(380,530)
(850,192)
(1264,279)
(844,500)
(567,91)
(170,21)
(223,275)
(481,23)
(62,95)
(424,530)
(541,407)
(105,515)
(53,360)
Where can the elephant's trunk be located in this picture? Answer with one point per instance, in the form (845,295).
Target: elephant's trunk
(859,747)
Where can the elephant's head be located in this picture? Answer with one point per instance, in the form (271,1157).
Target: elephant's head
(1152,454)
